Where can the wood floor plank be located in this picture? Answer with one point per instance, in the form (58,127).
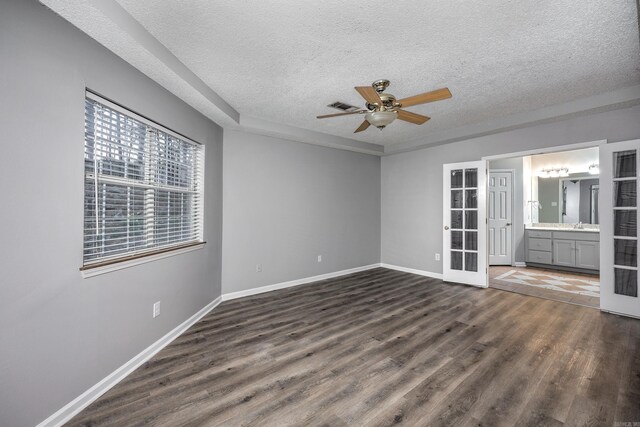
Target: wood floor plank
(383,347)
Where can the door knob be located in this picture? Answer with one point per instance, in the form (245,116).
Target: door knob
(508,224)
(446,227)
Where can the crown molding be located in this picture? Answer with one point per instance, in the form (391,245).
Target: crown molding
(112,26)
(292,133)
(621,98)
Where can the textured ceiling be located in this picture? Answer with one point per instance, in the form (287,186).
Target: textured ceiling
(507,62)
(284,61)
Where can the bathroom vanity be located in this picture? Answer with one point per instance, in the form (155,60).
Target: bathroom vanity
(563,247)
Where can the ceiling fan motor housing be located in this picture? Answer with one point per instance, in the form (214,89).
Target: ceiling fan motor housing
(388,103)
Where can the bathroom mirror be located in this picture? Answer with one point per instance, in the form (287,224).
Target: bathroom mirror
(568,200)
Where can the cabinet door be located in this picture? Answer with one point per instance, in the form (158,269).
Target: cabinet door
(588,255)
(564,252)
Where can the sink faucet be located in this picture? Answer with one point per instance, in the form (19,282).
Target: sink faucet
(578,225)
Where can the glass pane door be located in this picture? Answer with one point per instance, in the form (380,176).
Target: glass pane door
(619,227)
(625,227)
(463,214)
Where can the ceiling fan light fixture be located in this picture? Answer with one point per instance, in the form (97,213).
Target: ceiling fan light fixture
(380,119)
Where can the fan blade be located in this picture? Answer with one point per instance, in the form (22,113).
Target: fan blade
(410,117)
(369,94)
(341,114)
(435,95)
(362,127)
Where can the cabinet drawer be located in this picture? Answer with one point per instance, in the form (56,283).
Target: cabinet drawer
(539,257)
(577,235)
(539,234)
(539,244)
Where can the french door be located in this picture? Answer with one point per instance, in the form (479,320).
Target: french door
(465,231)
(618,215)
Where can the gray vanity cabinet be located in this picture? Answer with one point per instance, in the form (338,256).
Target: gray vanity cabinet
(588,255)
(574,250)
(564,252)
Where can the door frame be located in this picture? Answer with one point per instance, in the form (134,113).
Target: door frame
(513,176)
(545,150)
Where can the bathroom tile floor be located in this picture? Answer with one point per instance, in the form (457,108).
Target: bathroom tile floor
(574,288)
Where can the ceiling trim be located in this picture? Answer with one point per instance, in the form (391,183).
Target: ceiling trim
(292,133)
(157,62)
(621,98)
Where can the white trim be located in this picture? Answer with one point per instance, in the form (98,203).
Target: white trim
(142,260)
(291,133)
(619,314)
(291,283)
(519,264)
(618,99)
(72,408)
(412,271)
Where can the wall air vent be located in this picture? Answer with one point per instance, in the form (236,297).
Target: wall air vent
(343,107)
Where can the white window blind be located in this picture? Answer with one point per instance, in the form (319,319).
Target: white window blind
(143,185)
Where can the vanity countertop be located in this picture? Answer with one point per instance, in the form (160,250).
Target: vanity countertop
(568,228)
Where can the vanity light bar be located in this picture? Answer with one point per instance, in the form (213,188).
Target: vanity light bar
(554,173)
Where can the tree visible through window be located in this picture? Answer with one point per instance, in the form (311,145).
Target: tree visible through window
(143,185)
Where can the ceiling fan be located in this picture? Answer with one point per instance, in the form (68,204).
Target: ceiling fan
(383,108)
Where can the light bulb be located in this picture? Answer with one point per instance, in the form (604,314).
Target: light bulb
(380,119)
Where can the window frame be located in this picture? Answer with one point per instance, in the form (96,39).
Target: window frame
(93,267)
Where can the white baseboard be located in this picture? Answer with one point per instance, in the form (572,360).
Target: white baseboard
(413,271)
(519,264)
(71,409)
(68,411)
(269,288)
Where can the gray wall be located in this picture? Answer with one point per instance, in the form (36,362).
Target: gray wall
(60,334)
(517,216)
(549,193)
(412,181)
(285,203)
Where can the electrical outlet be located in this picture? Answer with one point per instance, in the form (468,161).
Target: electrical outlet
(258,268)
(319,258)
(437,257)
(156,309)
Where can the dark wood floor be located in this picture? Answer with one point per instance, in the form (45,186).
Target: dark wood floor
(383,347)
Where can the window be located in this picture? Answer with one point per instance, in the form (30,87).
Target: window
(143,186)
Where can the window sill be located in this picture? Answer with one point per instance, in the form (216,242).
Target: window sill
(91,271)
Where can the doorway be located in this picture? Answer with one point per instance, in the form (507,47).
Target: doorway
(542,231)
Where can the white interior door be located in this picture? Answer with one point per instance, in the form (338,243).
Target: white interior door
(618,214)
(500,217)
(464,235)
